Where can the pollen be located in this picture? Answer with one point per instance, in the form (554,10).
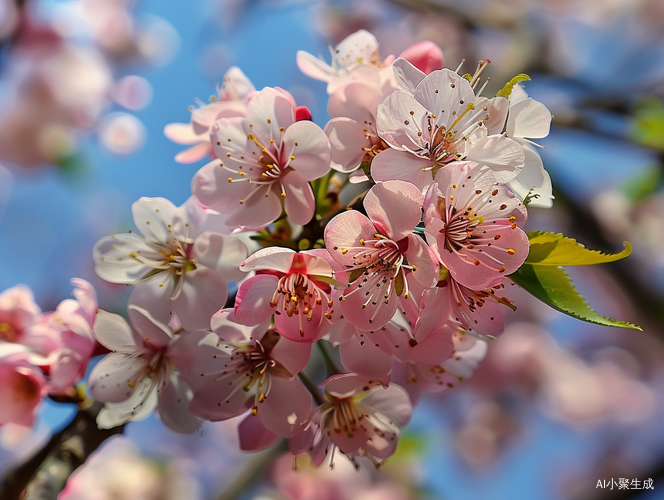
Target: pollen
(511,251)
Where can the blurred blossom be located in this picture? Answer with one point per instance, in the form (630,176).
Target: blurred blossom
(297,479)
(117,471)
(52,91)
(133,92)
(8,18)
(158,42)
(121,133)
(568,388)
(480,439)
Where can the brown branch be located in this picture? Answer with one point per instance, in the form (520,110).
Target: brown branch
(45,475)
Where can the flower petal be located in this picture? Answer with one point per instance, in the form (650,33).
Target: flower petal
(299,202)
(394,207)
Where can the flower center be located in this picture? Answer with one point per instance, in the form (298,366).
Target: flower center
(8,333)
(296,294)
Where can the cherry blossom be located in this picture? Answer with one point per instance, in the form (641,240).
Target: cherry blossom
(299,288)
(529,119)
(472,225)
(476,310)
(22,385)
(245,367)
(417,377)
(233,96)
(71,342)
(140,373)
(359,418)
(176,264)
(437,124)
(357,53)
(18,311)
(380,252)
(265,157)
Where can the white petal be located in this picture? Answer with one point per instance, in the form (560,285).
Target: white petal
(113,332)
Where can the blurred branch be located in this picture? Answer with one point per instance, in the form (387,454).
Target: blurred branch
(253,471)
(45,475)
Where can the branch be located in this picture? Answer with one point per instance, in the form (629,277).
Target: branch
(253,471)
(46,474)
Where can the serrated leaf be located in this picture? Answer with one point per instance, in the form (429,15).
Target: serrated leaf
(507,89)
(553,286)
(555,249)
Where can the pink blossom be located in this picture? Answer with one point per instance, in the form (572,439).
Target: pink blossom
(138,375)
(175,262)
(475,310)
(352,129)
(472,225)
(244,367)
(22,385)
(72,342)
(417,377)
(436,124)
(18,311)
(355,58)
(382,251)
(265,157)
(299,288)
(233,97)
(357,418)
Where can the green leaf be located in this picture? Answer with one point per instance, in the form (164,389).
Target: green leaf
(554,249)
(553,286)
(507,89)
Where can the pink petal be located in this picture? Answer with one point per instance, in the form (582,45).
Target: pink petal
(391,164)
(195,153)
(182,133)
(254,436)
(153,332)
(391,118)
(203,293)
(113,332)
(308,143)
(172,407)
(286,407)
(152,216)
(273,258)
(393,401)
(299,202)
(268,110)
(344,232)
(394,207)
(407,75)
(435,348)
(294,356)
(252,304)
(299,329)
(211,188)
(426,265)
(357,101)
(362,356)
(347,138)
(260,208)
(220,253)
(110,378)
(443,92)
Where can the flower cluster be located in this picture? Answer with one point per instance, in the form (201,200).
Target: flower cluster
(42,353)
(400,293)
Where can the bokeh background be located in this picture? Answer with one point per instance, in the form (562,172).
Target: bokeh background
(86,88)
